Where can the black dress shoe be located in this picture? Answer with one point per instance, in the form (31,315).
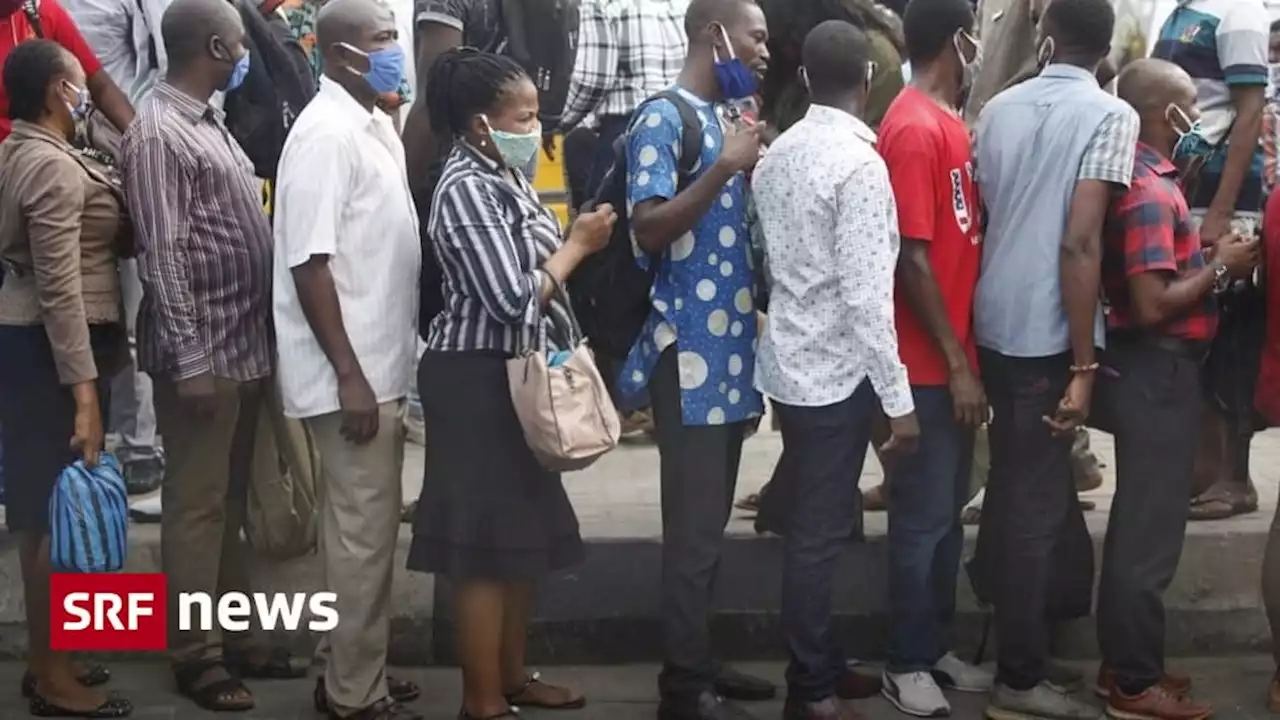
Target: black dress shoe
(708,706)
(739,686)
(402,691)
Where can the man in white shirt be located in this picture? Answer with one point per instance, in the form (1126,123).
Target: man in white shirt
(829,346)
(346,272)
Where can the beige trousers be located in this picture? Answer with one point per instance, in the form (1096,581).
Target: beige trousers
(360,498)
(209,462)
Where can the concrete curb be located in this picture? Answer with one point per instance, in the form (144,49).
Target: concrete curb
(606,610)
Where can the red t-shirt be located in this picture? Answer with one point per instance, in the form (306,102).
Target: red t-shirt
(58,26)
(930,161)
(1267,394)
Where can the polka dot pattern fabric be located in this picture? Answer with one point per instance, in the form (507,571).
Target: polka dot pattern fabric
(703,295)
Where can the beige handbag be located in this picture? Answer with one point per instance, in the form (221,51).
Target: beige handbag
(565,411)
(281,521)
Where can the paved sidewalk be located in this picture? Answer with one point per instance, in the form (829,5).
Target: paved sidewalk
(1236,686)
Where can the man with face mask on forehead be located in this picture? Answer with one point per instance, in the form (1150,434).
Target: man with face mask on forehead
(926,147)
(346,249)
(204,335)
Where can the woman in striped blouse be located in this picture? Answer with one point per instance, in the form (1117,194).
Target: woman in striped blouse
(490,517)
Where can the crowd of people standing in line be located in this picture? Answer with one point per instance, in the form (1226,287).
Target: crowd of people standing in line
(841,246)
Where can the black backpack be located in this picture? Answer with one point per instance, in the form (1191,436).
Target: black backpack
(279,84)
(542,35)
(609,290)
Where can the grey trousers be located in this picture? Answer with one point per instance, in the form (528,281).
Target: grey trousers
(133,413)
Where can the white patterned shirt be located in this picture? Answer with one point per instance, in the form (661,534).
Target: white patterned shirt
(628,50)
(831,245)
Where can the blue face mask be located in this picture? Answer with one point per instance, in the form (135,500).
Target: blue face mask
(516,149)
(238,73)
(1192,144)
(80,110)
(386,67)
(736,80)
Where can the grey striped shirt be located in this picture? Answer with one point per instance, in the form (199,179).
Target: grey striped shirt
(204,243)
(490,237)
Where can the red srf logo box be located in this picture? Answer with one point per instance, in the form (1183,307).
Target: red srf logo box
(108,611)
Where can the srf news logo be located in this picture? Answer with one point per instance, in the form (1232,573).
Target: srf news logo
(129,611)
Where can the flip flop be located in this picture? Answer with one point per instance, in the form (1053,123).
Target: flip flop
(535,679)
(1218,503)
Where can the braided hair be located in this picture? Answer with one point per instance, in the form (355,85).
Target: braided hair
(464,82)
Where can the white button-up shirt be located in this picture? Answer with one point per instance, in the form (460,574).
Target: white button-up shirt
(342,192)
(830,229)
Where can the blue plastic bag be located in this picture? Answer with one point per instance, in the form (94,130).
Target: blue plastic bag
(89,518)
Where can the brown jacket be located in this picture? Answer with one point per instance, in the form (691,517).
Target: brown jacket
(59,224)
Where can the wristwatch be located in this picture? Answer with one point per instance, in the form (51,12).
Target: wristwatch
(1220,278)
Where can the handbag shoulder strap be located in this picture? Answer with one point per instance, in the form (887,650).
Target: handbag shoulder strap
(31,8)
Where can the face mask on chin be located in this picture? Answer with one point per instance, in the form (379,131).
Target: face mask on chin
(736,80)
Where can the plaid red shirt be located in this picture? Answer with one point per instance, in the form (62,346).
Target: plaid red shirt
(1149,229)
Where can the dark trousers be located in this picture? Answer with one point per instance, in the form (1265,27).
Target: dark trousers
(699,471)
(823,451)
(926,538)
(1031,509)
(1148,396)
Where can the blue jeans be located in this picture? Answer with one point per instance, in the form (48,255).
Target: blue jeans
(823,449)
(926,538)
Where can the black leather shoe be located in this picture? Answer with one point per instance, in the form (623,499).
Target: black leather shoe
(708,706)
(735,685)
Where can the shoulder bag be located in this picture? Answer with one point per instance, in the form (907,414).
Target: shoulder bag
(563,406)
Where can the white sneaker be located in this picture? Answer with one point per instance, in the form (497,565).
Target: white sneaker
(955,674)
(916,694)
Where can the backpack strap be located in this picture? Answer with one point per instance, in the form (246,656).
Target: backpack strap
(31,8)
(691,131)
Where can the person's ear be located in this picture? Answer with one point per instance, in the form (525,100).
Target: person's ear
(481,128)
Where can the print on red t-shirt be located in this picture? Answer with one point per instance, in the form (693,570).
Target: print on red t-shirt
(930,160)
(57,25)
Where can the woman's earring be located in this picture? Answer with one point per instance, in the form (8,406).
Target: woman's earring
(483,143)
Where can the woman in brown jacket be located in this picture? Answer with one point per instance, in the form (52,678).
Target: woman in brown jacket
(60,336)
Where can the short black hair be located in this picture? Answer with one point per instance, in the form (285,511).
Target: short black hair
(931,26)
(1275,26)
(835,56)
(1081,26)
(463,82)
(28,71)
(702,13)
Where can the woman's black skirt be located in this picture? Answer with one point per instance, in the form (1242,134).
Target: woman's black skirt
(38,418)
(488,510)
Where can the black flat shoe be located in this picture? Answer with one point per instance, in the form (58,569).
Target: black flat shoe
(402,691)
(93,676)
(113,707)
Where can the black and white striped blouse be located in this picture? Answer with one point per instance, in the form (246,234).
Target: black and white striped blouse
(490,237)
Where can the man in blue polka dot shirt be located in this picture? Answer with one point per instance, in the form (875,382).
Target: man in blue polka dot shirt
(695,356)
